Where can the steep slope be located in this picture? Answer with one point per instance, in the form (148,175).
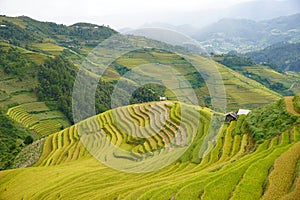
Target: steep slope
(230,168)
(273,77)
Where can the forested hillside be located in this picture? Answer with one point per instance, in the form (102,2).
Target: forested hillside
(284,56)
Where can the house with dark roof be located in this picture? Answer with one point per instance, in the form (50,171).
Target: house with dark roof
(231,116)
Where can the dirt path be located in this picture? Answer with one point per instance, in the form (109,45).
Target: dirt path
(290,106)
(292,86)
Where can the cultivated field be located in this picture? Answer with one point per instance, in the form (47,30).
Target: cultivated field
(227,169)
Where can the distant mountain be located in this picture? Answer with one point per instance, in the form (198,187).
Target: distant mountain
(245,35)
(285,56)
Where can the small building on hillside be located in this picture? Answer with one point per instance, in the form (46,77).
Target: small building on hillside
(243,112)
(231,116)
(162,98)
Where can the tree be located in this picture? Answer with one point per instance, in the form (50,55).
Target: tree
(28,140)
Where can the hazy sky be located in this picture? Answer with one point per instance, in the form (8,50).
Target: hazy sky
(116,13)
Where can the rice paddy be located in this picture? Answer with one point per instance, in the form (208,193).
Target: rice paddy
(42,127)
(228,170)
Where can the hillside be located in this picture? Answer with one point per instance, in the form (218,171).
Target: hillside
(232,165)
(25,44)
(38,50)
(22,31)
(285,83)
(284,56)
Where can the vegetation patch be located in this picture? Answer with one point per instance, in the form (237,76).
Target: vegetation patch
(269,120)
(12,140)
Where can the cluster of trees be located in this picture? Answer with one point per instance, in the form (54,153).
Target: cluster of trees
(195,79)
(121,69)
(268,121)
(12,140)
(13,61)
(56,79)
(147,93)
(231,61)
(14,34)
(86,31)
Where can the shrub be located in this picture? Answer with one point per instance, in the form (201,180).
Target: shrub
(28,140)
(268,121)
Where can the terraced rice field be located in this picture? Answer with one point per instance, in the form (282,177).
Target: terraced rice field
(42,127)
(227,169)
(290,106)
(49,48)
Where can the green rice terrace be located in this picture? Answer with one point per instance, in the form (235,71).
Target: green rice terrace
(232,165)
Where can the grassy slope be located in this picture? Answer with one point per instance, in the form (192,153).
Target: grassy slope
(288,79)
(229,171)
